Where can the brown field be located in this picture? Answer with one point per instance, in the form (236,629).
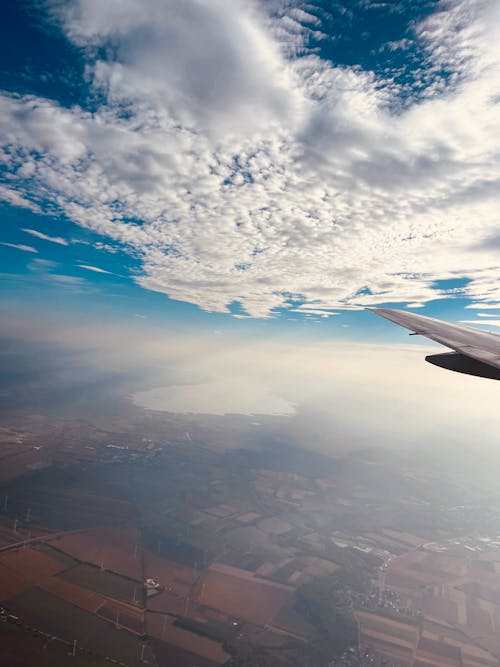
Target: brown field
(103,582)
(397,631)
(76,595)
(30,563)
(123,616)
(55,616)
(112,548)
(438,653)
(21,569)
(11,583)
(20,648)
(162,627)
(168,654)
(438,564)
(432,644)
(167,602)
(381,643)
(175,578)
(236,593)
(440,608)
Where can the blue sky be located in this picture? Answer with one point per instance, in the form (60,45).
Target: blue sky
(255,166)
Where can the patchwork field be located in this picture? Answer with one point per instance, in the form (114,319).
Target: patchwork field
(237,593)
(169,654)
(21,569)
(75,595)
(115,549)
(103,582)
(459,594)
(175,578)
(48,613)
(163,628)
(21,648)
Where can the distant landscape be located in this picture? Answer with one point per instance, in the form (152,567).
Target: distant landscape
(163,539)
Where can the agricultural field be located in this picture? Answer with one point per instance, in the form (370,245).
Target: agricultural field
(163,628)
(381,625)
(170,545)
(123,616)
(239,594)
(169,654)
(103,582)
(22,568)
(11,583)
(32,564)
(75,595)
(58,503)
(48,613)
(459,592)
(175,578)
(115,548)
(21,648)
(167,602)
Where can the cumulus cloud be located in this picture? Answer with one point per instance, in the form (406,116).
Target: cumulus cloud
(242,169)
(14,198)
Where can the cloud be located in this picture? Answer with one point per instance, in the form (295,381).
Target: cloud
(62,280)
(14,198)
(482,323)
(39,265)
(95,269)
(313,311)
(239,168)
(19,246)
(40,235)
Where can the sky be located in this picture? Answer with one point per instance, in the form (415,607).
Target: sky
(258,170)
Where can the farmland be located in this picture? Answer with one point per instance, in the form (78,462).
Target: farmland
(115,549)
(184,552)
(164,629)
(102,581)
(20,648)
(54,616)
(237,594)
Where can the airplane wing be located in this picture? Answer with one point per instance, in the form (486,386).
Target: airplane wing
(474,352)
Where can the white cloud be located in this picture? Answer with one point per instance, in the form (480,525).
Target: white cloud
(20,246)
(313,311)
(238,170)
(483,323)
(40,235)
(95,269)
(16,199)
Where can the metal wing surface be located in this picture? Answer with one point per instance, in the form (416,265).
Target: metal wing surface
(475,352)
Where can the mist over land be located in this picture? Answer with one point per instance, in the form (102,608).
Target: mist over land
(331,396)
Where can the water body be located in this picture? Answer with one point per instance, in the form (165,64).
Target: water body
(220,397)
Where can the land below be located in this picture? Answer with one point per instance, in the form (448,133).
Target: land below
(162,539)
